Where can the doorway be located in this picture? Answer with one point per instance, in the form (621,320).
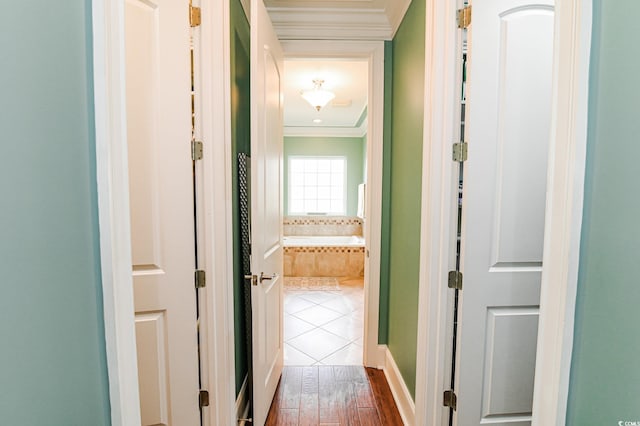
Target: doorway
(159,111)
(324,159)
(566,145)
(350,269)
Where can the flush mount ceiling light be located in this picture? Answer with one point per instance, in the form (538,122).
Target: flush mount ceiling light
(317,97)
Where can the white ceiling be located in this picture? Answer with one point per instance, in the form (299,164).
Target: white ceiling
(336,19)
(347,79)
(330,20)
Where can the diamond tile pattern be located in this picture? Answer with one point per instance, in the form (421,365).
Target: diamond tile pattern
(324,327)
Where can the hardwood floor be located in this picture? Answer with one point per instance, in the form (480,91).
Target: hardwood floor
(333,395)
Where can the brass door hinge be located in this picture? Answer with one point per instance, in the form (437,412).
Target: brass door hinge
(195,16)
(455,280)
(196,150)
(200,278)
(450,399)
(459,151)
(464,17)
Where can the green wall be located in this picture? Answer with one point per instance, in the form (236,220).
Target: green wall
(385,228)
(351,148)
(52,350)
(405,194)
(241,142)
(605,373)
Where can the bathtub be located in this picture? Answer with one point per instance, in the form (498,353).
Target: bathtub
(323,256)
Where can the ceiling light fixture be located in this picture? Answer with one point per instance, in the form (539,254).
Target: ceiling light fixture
(317,121)
(317,97)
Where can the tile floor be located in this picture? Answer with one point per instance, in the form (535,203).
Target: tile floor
(324,327)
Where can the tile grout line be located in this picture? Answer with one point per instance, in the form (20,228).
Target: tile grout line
(348,344)
(348,300)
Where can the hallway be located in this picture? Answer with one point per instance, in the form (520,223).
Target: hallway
(333,395)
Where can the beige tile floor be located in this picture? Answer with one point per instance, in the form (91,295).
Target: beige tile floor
(324,327)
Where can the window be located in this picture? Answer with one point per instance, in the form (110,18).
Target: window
(317,185)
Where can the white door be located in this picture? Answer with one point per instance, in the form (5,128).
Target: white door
(162,230)
(266,209)
(508,128)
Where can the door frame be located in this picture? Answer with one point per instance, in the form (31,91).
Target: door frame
(112,176)
(373,53)
(563,215)
(214,183)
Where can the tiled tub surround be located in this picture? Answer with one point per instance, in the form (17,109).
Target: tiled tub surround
(323,246)
(323,261)
(322,225)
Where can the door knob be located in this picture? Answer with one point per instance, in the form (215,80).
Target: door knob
(264,277)
(252,278)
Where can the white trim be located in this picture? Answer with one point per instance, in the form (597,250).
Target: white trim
(329,132)
(373,52)
(399,389)
(242,403)
(395,12)
(217,324)
(113,210)
(563,220)
(442,74)
(563,214)
(317,23)
(382,356)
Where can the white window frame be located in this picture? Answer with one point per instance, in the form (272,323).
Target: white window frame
(344,183)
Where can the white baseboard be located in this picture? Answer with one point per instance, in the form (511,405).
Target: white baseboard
(242,404)
(399,389)
(381,357)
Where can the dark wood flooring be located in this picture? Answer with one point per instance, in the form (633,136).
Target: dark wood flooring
(332,396)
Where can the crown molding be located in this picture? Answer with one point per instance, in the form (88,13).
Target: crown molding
(330,24)
(395,11)
(305,23)
(327,132)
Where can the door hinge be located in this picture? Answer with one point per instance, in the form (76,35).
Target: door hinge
(455,280)
(200,278)
(450,399)
(203,398)
(195,16)
(464,17)
(196,150)
(460,151)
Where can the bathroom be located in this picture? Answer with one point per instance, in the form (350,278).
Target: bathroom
(324,257)
(324,175)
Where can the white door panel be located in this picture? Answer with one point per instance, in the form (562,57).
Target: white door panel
(510,346)
(153,367)
(162,230)
(266,209)
(508,128)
